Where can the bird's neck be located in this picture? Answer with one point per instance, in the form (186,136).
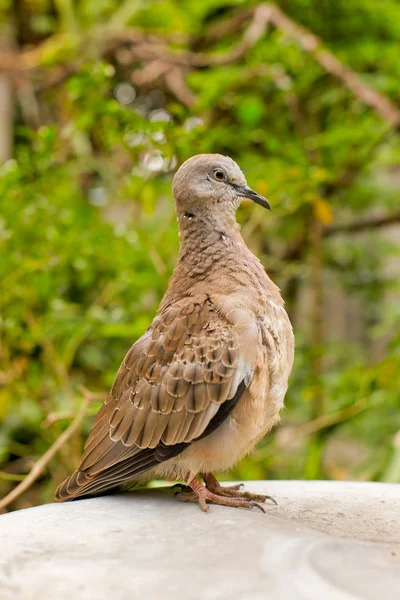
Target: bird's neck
(200,231)
(213,258)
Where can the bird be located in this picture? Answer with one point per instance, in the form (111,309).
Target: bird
(207,379)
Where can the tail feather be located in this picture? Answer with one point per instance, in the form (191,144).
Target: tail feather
(81,484)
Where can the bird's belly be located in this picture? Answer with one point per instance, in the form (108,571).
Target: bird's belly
(217,452)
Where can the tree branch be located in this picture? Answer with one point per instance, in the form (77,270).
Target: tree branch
(313,46)
(261,16)
(150,48)
(266,13)
(295,250)
(41,464)
(358,226)
(325,421)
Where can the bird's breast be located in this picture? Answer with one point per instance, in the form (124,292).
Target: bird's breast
(259,408)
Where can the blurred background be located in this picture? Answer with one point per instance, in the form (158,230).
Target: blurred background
(100,101)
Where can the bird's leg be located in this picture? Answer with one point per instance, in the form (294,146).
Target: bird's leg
(233,491)
(213,485)
(204,496)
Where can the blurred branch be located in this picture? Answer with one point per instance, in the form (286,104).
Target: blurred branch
(53,417)
(173,65)
(325,421)
(176,83)
(41,464)
(266,13)
(296,249)
(313,46)
(261,16)
(227,26)
(363,225)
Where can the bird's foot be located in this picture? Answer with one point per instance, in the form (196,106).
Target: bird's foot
(233,491)
(203,495)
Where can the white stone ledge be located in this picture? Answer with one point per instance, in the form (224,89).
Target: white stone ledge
(324,541)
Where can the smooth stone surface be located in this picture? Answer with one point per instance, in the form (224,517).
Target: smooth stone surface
(325,541)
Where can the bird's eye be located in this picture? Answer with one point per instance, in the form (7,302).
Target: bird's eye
(219,175)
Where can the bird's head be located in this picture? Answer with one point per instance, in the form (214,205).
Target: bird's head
(212,183)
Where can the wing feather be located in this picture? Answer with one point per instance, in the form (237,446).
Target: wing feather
(175,385)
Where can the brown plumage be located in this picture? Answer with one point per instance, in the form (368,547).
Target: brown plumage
(207,380)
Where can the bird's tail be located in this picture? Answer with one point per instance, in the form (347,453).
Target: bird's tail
(72,487)
(81,484)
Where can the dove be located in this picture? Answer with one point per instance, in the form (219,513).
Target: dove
(207,379)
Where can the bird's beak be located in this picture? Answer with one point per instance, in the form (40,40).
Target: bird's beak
(246,192)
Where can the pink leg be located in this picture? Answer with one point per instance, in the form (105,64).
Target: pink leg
(204,496)
(214,486)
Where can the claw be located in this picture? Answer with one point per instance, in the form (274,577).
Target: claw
(272,499)
(257,506)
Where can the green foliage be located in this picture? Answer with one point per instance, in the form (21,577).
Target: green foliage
(88,234)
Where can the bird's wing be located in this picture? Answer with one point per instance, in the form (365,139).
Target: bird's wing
(176,384)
